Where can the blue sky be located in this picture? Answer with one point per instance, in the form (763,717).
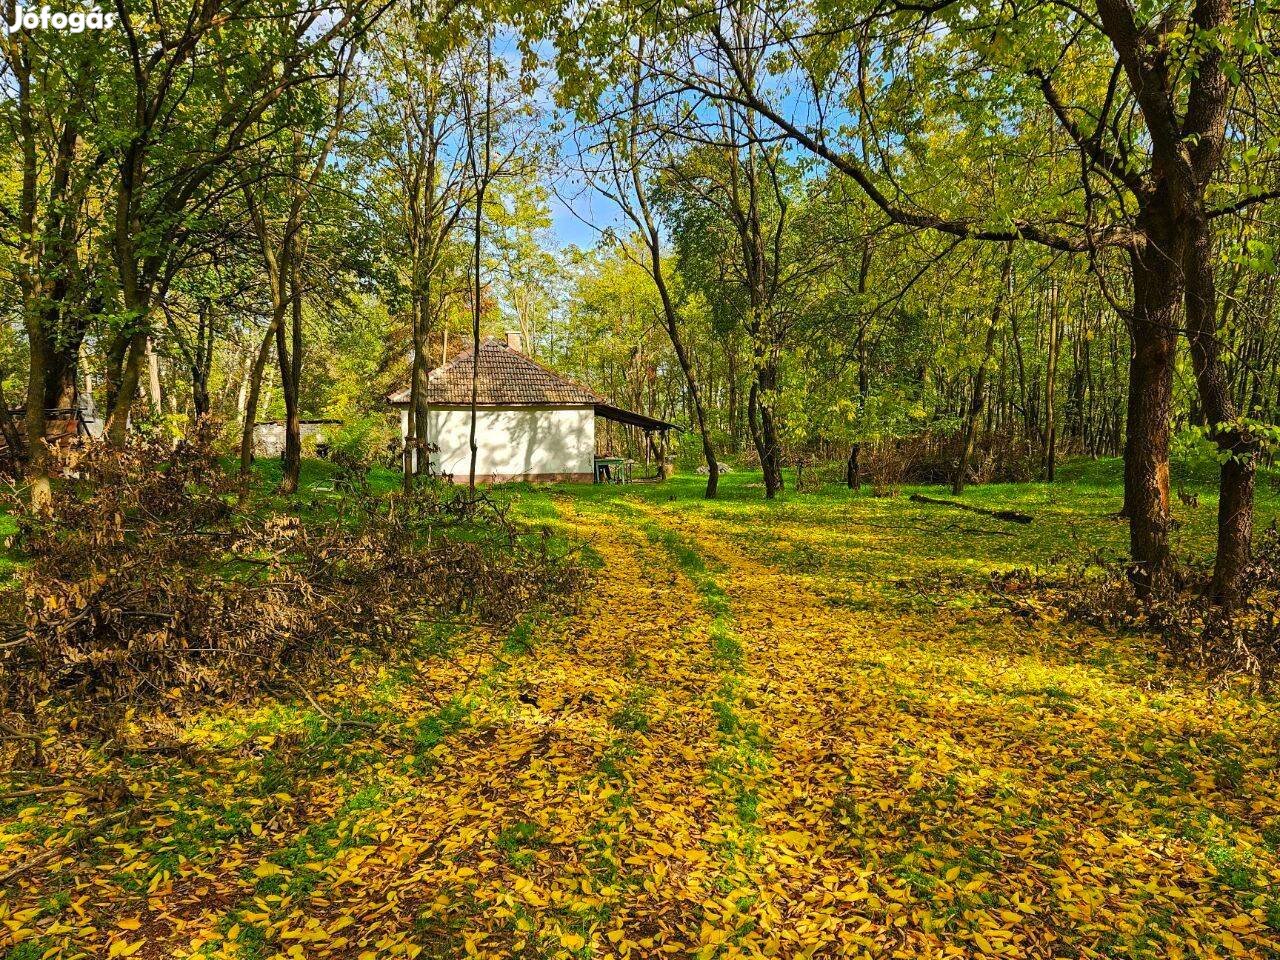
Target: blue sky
(572,203)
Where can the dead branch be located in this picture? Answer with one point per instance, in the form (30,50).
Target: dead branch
(1013,516)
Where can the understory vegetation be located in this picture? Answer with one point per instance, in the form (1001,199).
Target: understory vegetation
(163,580)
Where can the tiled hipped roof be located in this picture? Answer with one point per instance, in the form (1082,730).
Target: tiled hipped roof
(506,378)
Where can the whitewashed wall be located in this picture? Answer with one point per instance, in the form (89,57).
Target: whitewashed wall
(513,441)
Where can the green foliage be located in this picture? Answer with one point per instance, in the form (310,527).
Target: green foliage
(364,439)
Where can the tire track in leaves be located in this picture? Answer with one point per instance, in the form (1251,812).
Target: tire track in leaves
(740,766)
(668,875)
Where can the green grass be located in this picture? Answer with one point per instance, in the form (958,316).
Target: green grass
(632,715)
(434,728)
(519,842)
(881,539)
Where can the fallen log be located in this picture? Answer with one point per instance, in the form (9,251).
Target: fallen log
(1013,516)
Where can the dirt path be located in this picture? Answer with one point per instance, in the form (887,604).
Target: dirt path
(706,759)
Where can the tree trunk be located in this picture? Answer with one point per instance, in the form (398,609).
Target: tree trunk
(764,433)
(1239,471)
(1051,386)
(772,462)
(1154,330)
(154,391)
(980,380)
(764,430)
(126,388)
(413,421)
(40,488)
(853,469)
(1235,525)
(251,399)
(734,413)
(201,363)
(291,380)
(419,426)
(200,393)
(686,367)
(61,390)
(290,459)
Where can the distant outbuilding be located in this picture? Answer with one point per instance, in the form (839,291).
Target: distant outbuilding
(269,435)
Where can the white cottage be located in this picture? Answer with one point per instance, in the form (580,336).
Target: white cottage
(531,422)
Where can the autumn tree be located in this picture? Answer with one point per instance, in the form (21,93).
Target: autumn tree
(1141,98)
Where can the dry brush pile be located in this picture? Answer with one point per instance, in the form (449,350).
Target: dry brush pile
(149,584)
(1224,643)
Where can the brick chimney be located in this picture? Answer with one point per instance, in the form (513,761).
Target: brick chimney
(514,342)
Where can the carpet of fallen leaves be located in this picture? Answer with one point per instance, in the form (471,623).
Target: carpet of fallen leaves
(718,755)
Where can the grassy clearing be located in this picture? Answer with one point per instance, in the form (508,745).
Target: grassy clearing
(857,534)
(763,733)
(970,732)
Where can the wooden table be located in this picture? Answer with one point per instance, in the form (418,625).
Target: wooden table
(615,468)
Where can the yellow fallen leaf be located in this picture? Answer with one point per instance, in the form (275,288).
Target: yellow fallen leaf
(572,941)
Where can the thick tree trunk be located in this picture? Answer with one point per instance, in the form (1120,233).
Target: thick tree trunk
(1239,471)
(1154,329)
(853,469)
(61,390)
(1235,524)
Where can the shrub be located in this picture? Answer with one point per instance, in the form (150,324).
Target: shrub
(1238,640)
(1221,642)
(147,582)
(931,457)
(365,439)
